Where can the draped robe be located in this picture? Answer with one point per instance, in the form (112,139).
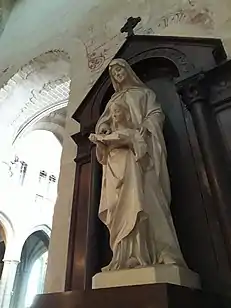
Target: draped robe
(135,195)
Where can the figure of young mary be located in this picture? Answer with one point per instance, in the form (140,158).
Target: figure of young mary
(135,195)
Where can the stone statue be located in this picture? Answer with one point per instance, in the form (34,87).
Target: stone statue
(135,194)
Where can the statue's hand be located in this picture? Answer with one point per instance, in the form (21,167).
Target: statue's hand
(93,138)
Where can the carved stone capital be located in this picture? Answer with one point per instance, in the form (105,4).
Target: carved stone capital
(193,90)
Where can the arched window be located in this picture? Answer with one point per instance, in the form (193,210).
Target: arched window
(23,169)
(42,183)
(18,170)
(52,187)
(36,279)
(31,270)
(37,164)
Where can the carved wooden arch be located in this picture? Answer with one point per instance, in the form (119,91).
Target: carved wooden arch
(188,55)
(176,57)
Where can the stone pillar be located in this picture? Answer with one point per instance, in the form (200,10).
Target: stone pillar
(7,282)
(20,288)
(59,243)
(56,269)
(195,94)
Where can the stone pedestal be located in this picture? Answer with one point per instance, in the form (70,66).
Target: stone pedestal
(149,275)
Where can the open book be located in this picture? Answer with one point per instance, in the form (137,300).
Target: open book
(119,137)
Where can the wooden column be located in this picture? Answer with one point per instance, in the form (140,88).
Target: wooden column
(195,92)
(76,275)
(84,242)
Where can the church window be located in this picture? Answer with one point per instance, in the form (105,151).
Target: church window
(42,183)
(51,189)
(23,170)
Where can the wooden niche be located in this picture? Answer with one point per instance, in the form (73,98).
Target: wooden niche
(168,65)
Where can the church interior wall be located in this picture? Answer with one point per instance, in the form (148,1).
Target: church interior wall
(91,42)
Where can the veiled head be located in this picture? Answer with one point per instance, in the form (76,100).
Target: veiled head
(119,73)
(122,75)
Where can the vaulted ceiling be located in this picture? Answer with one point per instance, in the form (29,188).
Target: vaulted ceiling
(39,88)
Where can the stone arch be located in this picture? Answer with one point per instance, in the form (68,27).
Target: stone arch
(44,228)
(7,226)
(10,70)
(2,248)
(44,233)
(34,247)
(54,128)
(39,122)
(40,99)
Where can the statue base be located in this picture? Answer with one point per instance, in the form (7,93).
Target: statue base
(149,275)
(143,296)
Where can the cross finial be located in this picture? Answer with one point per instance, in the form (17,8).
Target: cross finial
(130,25)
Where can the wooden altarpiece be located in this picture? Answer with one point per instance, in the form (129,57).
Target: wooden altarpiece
(192,80)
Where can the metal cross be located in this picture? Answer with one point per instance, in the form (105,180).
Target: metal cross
(130,25)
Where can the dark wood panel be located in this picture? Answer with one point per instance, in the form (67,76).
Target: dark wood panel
(205,209)
(145,296)
(58,300)
(78,241)
(224,118)
(188,205)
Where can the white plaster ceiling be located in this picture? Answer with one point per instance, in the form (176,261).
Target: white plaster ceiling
(39,88)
